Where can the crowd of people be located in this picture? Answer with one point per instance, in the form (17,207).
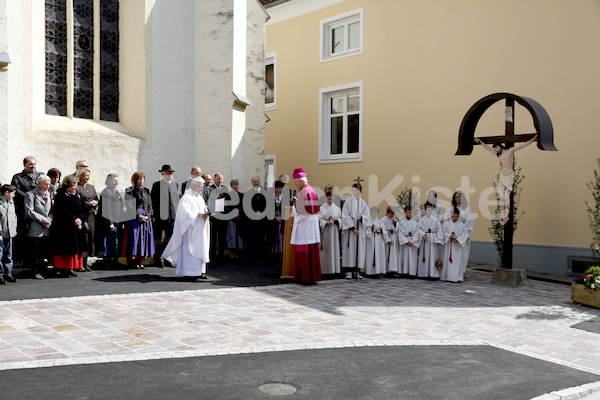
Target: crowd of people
(66,224)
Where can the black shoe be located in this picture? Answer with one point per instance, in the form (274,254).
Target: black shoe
(203,276)
(10,278)
(2,281)
(79,270)
(72,272)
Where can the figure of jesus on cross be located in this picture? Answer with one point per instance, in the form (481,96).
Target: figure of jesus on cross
(506,177)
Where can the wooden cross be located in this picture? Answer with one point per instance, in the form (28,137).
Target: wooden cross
(544,130)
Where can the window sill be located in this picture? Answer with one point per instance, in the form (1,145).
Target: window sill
(338,159)
(56,125)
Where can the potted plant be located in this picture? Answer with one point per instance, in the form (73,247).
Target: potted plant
(587,291)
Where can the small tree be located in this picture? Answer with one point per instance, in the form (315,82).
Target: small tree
(495,229)
(594,213)
(407,197)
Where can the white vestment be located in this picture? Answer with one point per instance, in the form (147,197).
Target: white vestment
(408,231)
(390,234)
(375,247)
(429,253)
(349,239)
(466,217)
(189,246)
(453,270)
(305,229)
(330,239)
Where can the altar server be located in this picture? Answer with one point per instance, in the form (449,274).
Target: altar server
(390,235)
(329,220)
(430,230)
(409,239)
(459,201)
(455,235)
(354,214)
(375,246)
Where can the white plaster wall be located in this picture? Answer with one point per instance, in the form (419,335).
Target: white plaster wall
(213,83)
(170,139)
(254,139)
(3,93)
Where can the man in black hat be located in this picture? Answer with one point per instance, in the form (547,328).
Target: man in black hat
(165,196)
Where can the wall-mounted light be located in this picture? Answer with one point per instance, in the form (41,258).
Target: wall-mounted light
(4,60)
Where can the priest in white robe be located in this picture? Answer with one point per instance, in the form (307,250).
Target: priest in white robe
(354,212)
(375,246)
(329,221)
(431,233)
(189,246)
(409,240)
(455,235)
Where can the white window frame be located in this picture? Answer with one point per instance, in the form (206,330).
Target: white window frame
(271,58)
(325,95)
(341,20)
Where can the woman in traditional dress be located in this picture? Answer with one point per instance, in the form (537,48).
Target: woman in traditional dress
(139,241)
(67,234)
(90,197)
(109,228)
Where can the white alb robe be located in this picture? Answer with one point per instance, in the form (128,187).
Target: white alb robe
(375,247)
(429,253)
(453,270)
(408,231)
(330,239)
(189,246)
(349,239)
(305,229)
(466,217)
(390,234)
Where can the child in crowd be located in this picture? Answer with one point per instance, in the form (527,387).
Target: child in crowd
(431,233)
(8,230)
(390,235)
(329,220)
(355,215)
(455,235)
(375,246)
(409,239)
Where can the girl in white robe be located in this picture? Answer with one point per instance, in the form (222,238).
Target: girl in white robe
(329,221)
(455,235)
(375,245)
(466,217)
(390,236)
(431,233)
(354,212)
(409,240)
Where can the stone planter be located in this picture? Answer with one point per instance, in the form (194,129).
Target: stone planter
(584,296)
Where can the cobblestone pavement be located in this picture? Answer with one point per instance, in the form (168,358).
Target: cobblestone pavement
(534,320)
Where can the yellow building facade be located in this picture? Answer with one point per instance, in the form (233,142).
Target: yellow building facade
(378,89)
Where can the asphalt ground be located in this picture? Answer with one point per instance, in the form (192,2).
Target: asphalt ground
(399,372)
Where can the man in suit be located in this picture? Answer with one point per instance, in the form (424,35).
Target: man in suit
(23,182)
(218,226)
(207,187)
(257,224)
(38,211)
(165,196)
(196,172)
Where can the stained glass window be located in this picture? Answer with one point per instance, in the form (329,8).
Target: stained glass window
(109,60)
(83,58)
(56,57)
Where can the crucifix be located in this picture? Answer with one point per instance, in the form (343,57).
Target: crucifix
(545,141)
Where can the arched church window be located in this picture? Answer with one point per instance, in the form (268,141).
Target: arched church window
(75,55)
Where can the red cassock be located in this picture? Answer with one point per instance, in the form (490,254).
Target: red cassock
(307,258)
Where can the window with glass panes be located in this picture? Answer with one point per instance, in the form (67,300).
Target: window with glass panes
(344,123)
(344,37)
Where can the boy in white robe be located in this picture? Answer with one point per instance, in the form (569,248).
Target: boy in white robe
(354,212)
(188,248)
(375,246)
(431,239)
(409,240)
(455,235)
(390,235)
(329,220)
(459,201)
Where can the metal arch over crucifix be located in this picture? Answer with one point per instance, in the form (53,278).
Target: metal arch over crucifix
(545,141)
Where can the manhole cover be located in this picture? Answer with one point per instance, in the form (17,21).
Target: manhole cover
(278,389)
